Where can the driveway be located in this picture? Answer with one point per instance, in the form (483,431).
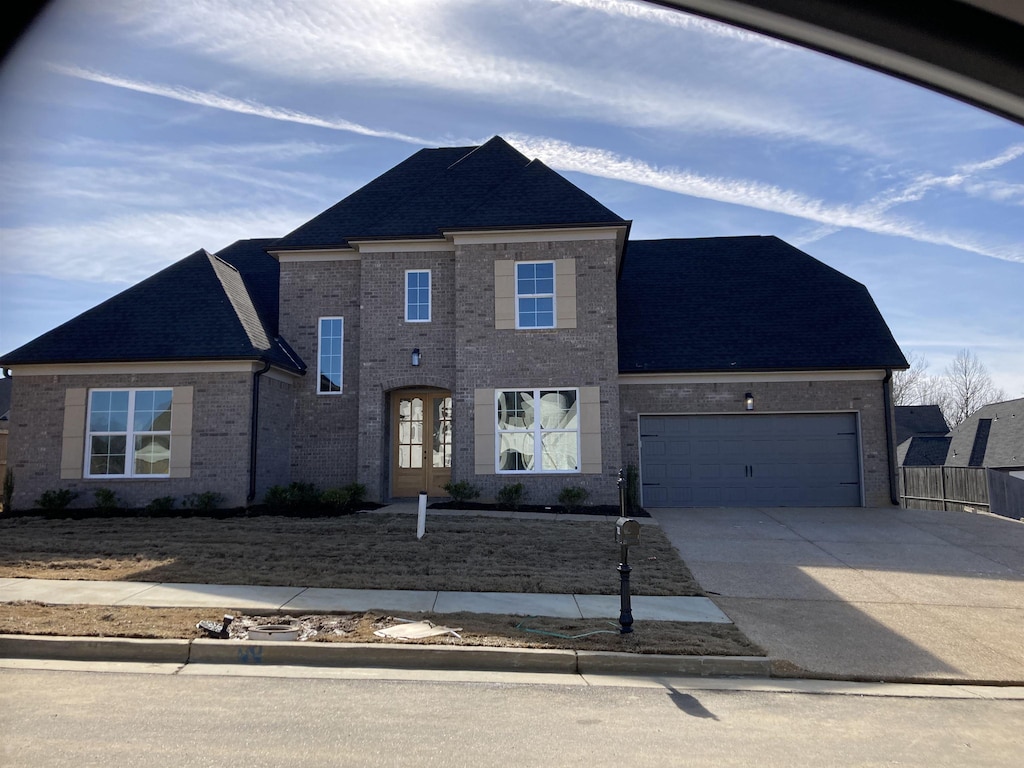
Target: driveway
(876,594)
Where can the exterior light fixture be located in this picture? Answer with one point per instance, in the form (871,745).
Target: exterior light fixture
(416,356)
(749,400)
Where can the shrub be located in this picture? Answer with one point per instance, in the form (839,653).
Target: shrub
(8,492)
(161,504)
(511,496)
(203,502)
(462,490)
(345,498)
(276,497)
(105,499)
(58,499)
(573,497)
(289,498)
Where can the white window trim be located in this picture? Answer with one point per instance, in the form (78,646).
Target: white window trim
(319,358)
(430,297)
(538,433)
(129,433)
(553,296)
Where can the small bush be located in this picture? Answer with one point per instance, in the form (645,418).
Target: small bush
(276,497)
(161,504)
(8,492)
(206,501)
(573,497)
(462,490)
(58,499)
(289,498)
(105,499)
(345,498)
(511,496)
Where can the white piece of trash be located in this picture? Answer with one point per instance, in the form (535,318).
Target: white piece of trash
(415,630)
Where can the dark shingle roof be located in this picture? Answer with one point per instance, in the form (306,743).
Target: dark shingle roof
(744,304)
(993,436)
(204,307)
(922,452)
(919,421)
(490,186)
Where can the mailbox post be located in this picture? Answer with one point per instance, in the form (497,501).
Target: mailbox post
(627,532)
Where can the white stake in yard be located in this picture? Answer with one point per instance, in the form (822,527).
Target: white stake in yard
(421,521)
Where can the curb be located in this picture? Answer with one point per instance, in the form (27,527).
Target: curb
(386,655)
(94,649)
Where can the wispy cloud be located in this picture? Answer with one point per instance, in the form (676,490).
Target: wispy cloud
(765,197)
(126,249)
(457,49)
(241,106)
(673,18)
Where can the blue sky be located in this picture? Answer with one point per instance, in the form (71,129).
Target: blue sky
(134,132)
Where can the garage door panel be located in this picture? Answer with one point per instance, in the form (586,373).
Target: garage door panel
(750,460)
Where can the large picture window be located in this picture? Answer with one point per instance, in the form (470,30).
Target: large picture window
(129,433)
(329,356)
(538,430)
(535,294)
(417,296)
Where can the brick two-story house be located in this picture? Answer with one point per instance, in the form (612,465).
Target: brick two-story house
(469,315)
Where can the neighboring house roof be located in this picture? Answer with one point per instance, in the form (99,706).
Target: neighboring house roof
(992,436)
(744,304)
(204,307)
(492,186)
(922,452)
(919,421)
(5,399)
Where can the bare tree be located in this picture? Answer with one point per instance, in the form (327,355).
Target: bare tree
(907,385)
(968,386)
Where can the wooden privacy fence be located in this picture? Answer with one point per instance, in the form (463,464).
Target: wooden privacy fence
(962,489)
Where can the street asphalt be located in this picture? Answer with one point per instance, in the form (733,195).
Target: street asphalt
(841,594)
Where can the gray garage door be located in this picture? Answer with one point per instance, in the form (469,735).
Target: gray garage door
(750,460)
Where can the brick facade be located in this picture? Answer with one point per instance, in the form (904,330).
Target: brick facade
(222,406)
(584,356)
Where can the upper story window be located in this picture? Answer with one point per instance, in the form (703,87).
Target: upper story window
(417,296)
(538,430)
(329,356)
(535,294)
(129,433)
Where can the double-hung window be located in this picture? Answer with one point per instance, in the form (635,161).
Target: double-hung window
(129,433)
(417,295)
(329,355)
(538,430)
(535,294)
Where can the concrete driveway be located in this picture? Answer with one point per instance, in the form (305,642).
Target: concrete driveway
(874,594)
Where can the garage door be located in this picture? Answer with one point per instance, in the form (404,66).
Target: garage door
(750,460)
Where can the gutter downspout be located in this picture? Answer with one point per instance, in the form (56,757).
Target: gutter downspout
(254,425)
(890,448)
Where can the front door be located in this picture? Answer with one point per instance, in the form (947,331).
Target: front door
(421,442)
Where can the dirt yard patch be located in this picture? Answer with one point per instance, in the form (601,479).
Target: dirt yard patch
(495,631)
(363,551)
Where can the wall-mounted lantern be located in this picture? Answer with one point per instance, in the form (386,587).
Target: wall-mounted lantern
(416,356)
(748,399)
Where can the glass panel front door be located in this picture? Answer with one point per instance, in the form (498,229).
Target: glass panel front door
(421,442)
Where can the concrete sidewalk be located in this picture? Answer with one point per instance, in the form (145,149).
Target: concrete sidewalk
(316,600)
(869,594)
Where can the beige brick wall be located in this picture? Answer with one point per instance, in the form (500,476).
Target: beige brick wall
(863,397)
(386,344)
(497,358)
(325,431)
(220,431)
